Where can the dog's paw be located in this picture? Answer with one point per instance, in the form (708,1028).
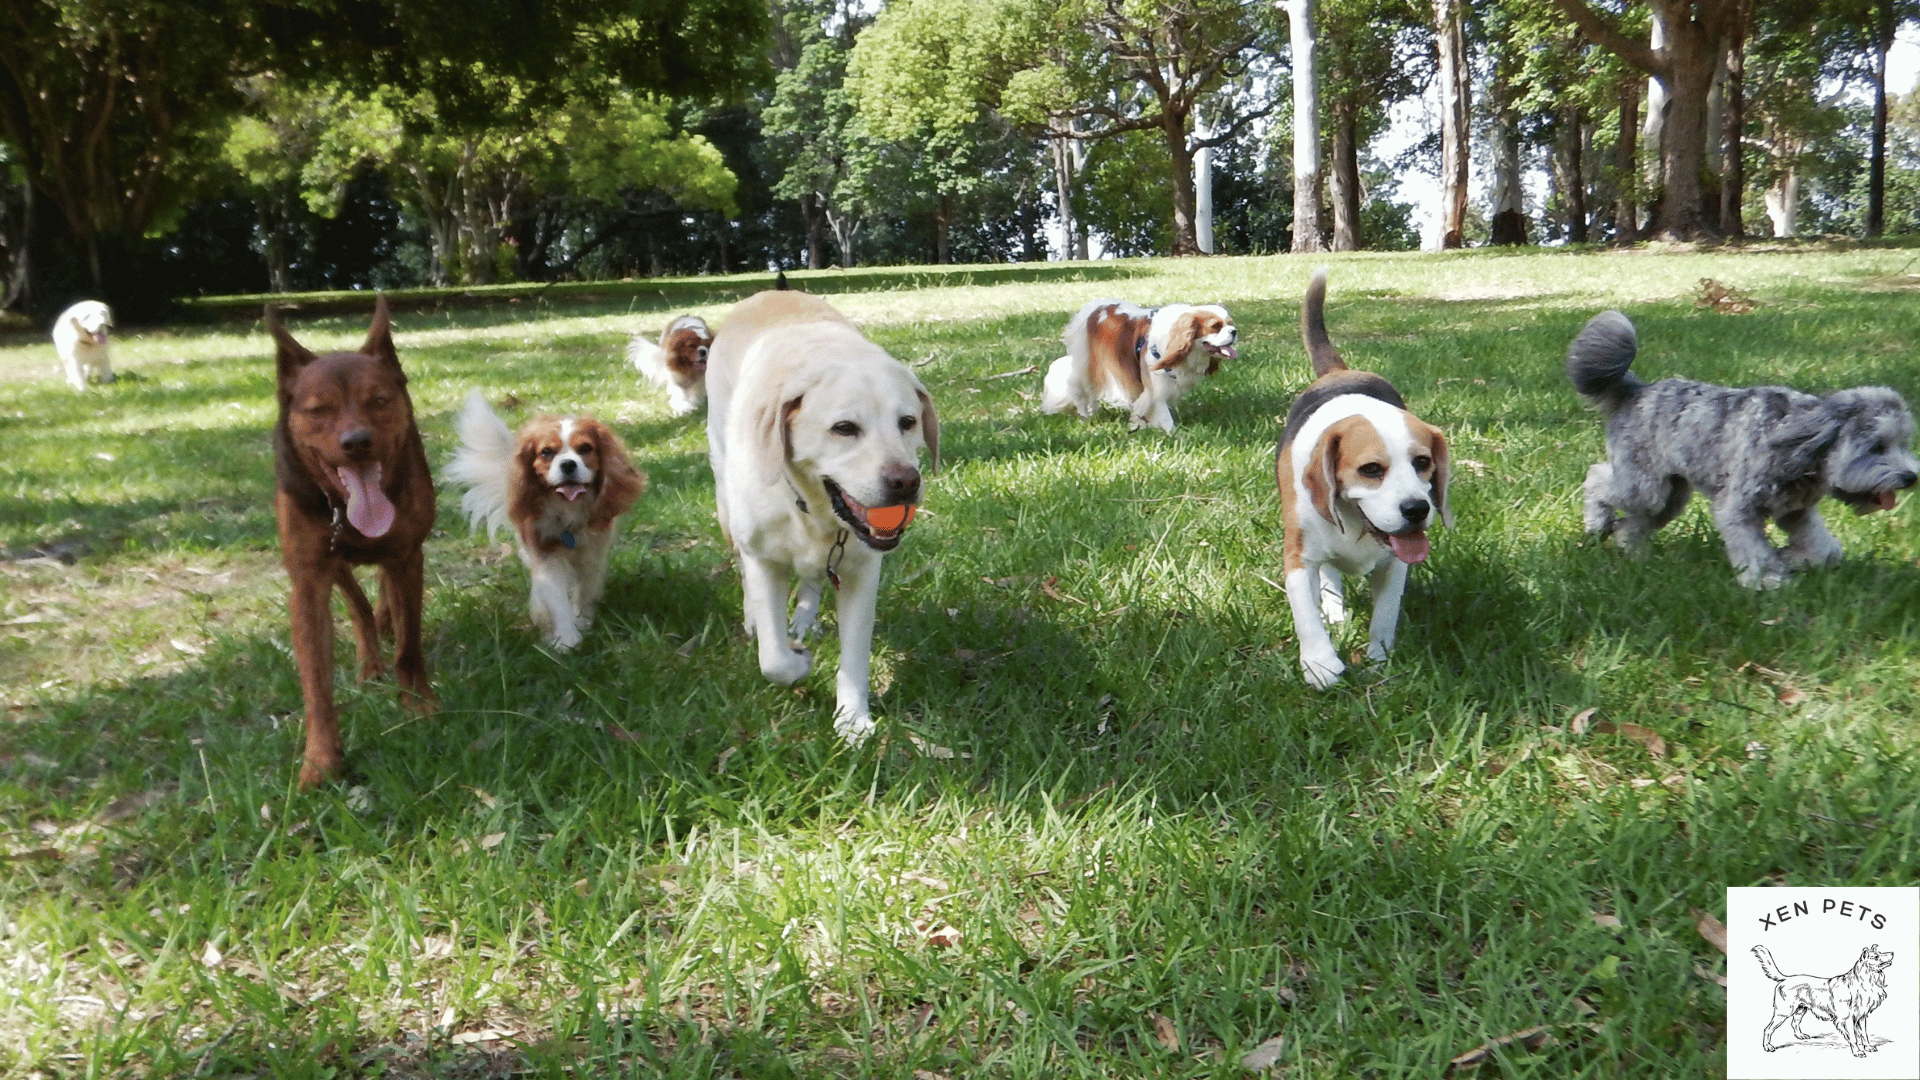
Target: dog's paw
(853,728)
(1762,578)
(1378,650)
(1322,672)
(785,666)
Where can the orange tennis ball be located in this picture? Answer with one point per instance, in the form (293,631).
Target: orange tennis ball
(890,517)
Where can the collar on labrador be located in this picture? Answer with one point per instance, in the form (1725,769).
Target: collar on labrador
(839,549)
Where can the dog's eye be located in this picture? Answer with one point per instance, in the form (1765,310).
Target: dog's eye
(908,423)
(546,453)
(583,449)
(378,401)
(1422,463)
(319,411)
(1879,448)
(1372,470)
(848,428)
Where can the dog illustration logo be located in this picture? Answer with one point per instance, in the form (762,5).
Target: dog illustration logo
(1844,1000)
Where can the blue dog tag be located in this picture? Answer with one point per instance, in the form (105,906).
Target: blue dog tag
(567,538)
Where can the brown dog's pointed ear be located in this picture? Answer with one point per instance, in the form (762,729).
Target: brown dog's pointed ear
(289,355)
(1440,474)
(380,337)
(1322,479)
(929,429)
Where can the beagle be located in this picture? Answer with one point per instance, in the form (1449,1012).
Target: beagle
(1360,479)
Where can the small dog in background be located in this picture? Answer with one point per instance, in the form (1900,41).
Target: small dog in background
(1755,453)
(1137,359)
(678,363)
(1360,480)
(80,337)
(1844,1000)
(559,482)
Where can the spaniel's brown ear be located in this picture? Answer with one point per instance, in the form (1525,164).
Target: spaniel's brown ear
(620,482)
(929,429)
(1322,478)
(1440,474)
(1186,329)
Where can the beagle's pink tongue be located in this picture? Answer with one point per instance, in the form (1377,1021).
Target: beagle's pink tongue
(1409,549)
(367,507)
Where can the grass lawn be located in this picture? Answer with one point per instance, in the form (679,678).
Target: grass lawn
(1106,829)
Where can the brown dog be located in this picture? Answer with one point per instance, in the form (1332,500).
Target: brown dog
(352,488)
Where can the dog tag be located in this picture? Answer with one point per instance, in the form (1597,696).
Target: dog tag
(567,538)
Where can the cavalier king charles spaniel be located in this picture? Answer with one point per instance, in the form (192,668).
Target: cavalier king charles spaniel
(559,482)
(678,363)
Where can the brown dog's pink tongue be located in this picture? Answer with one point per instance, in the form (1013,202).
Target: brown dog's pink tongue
(367,507)
(1409,549)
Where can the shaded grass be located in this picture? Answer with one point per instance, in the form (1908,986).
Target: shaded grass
(643,858)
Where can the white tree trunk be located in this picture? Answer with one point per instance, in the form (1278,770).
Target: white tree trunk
(1653,127)
(1307,232)
(1203,188)
(1783,203)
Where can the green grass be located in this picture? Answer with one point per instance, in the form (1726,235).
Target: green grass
(1151,848)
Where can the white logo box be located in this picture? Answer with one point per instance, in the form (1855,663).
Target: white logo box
(1832,944)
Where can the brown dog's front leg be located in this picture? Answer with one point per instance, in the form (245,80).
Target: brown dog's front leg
(313,654)
(366,635)
(403,588)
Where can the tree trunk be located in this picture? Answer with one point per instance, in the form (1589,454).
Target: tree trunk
(1696,55)
(1174,129)
(1203,193)
(1733,164)
(1783,203)
(816,222)
(1877,163)
(943,212)
(1077,150)
(1346,176)
(1626,209)
(1509,221)
(1574,185)
(1450,40)
(1063,191)
(1308,231)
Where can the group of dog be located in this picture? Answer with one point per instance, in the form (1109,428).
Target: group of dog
(815,435)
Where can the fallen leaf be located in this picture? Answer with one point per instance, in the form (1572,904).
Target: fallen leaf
(1611,922)
(1709,976)
(1578,725)
(1047,587)
(188,647)
(1533,1039)
(1645,736)
(686,649)
(934,750)
(720,766)
(1712,929)
(436,947)
(1584,1007)
(128,805)
(486,799)
(621,733)
(1263,1056)
(468,1038)
(211,956)
(1164,1032)
(492,840)
(1792,696)
(941,936)
(266,813)
(446,1018)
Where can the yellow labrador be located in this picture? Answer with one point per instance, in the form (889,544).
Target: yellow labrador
(815,436)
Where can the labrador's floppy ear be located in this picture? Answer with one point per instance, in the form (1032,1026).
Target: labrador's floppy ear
(929,428)
(772,447)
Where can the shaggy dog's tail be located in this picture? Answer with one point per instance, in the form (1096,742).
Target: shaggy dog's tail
(484,463)
(1760,952)
(1599,357)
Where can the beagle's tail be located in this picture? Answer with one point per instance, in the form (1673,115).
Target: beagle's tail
(1313,327)
(1599,357)
(1767,966)
(484,463)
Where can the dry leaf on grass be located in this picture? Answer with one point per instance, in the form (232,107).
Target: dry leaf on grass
(1646,737)
(1722,298)
(1263,1056)
(1790,695)
(1611,922)
(211,956)
(467,1038)
(1712,929)
(940,935)
(1578,725)
(1709,976)
(1164,1032)
(720,766)
(1533,1039)
(492,840)
(935,750)
(1047,587)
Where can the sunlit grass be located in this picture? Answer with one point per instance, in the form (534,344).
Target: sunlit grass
(1129,841)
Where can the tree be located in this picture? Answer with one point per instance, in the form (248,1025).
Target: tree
(1695,35)
(1308,234)
(1455,78)
(1372,54)
(812,144)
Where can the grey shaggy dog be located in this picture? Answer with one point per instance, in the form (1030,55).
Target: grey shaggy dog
(1755,453)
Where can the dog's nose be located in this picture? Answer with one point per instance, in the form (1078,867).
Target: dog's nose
(357,442)
(901,483)
(567,465)
(1415,510)
(1906,479)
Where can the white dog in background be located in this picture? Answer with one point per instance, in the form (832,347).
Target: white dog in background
(678,364)
(80,337)
(815,436)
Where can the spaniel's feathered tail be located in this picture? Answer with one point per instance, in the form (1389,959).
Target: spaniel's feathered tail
(484,463)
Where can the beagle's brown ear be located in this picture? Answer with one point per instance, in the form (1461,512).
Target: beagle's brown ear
(620,482)
(929,429)
(1186,329)
(1322,478)
(1440,474)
